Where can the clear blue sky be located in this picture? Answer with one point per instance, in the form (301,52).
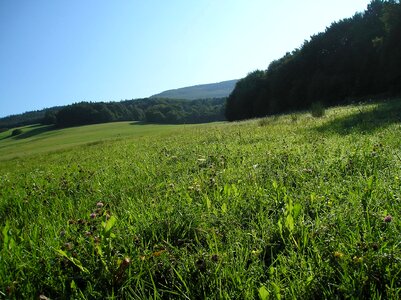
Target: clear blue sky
(56,52)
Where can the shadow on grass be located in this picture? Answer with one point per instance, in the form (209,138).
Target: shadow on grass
(366,120)
(38,130)
(35,125)
(153,123)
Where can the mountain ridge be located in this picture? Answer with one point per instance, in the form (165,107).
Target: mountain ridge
(200,91)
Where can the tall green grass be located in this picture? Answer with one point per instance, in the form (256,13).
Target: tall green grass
(297,208)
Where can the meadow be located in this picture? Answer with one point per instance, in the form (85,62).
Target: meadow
(38,138)
(283,207)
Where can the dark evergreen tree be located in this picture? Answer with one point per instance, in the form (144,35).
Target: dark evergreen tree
(49,118)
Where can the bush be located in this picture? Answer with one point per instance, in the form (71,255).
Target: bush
(317,110)
(16,132)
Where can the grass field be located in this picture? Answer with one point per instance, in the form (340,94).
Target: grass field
(43,138)
(277,208)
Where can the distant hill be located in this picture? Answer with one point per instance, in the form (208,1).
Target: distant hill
(202,91)
(208,108)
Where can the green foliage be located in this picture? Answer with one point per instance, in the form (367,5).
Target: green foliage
(27,118)
(293,210)
(49,118)
(238,106)
(354,58)
(83,114)
(162,111)
(152,110)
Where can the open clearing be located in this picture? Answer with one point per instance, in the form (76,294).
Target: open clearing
(283,207)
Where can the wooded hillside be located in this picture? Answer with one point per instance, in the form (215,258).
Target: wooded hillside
(353,58)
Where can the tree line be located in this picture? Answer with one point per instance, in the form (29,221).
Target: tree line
(354,58)
(26,118)
(152,110)
(163,111)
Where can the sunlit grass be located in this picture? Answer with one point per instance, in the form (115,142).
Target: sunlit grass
(43,138)
(288,207)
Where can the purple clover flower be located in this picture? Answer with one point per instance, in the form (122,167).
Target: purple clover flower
(388,219)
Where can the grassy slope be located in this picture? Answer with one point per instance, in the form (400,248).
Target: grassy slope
(286,206)
(41,139)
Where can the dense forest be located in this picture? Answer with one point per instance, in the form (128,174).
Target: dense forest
(163,111)
(354,58)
